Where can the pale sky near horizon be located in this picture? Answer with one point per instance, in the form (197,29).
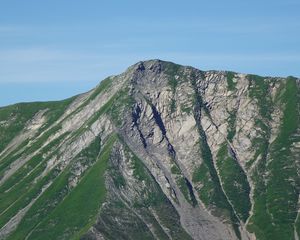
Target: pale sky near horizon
(53,49)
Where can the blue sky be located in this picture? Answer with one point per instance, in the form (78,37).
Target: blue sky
(53,49)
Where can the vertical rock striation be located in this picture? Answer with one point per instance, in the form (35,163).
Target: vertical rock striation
(161,151)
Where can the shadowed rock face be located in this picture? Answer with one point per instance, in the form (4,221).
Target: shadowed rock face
(161,151)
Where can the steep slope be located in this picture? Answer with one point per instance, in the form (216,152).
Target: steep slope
(161,151)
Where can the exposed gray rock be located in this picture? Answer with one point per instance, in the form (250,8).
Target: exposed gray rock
(196,155)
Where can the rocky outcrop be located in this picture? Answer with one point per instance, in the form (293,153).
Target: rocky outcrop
(161,151)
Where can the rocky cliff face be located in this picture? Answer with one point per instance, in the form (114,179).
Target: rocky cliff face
(161,151)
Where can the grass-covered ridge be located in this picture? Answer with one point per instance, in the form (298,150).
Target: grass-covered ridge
(68,213)
(13,118)
(234,182)
(276,178)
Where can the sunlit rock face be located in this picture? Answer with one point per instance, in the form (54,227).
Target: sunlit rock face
(161,151)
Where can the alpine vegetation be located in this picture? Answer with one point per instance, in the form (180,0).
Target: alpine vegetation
(161,151)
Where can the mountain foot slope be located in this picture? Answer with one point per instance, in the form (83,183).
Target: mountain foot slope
(161,151)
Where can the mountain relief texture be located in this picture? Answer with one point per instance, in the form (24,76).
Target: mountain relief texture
(161,151)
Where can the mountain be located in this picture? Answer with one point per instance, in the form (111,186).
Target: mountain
(161,151)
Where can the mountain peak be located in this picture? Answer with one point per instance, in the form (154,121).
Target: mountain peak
(152,64)
(161,151)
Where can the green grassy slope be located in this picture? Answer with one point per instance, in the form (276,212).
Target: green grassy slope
(107,187)
(276,177)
